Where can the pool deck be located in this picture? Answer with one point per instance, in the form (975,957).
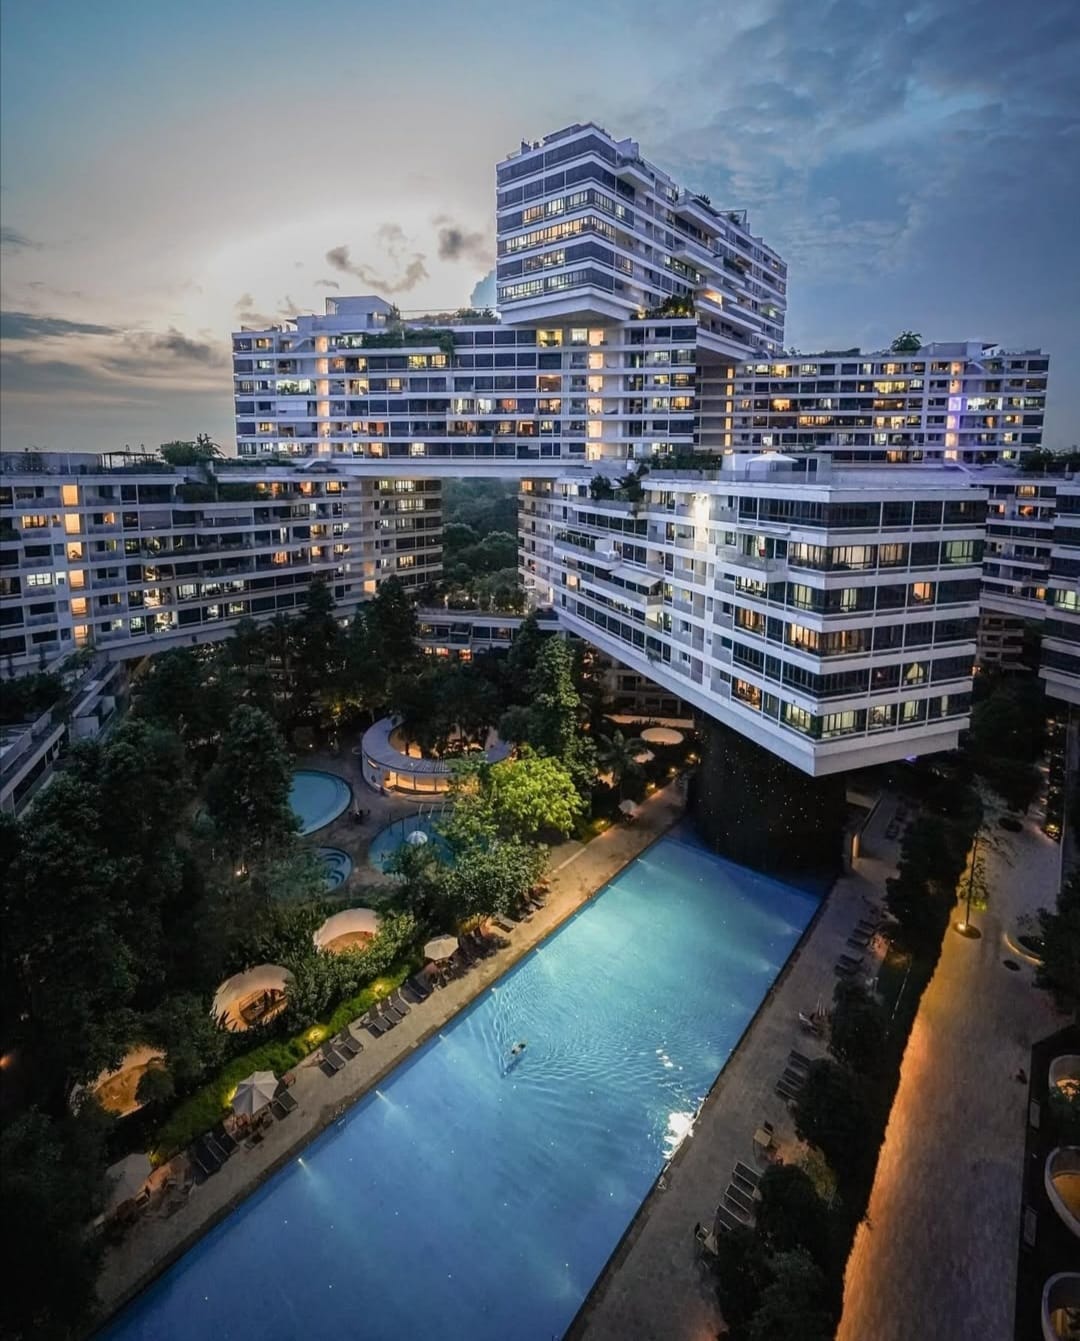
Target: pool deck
(576,872)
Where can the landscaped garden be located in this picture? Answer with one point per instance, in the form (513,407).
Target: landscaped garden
(164,865)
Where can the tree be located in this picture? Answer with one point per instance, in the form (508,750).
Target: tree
(1059,972)
(833,1114)
(156,1086)
(197,453)
(52,1183)
(391,626)
(907,342)
(617,755)
(315,636)
(178,692)
(556,713)
(796,1303)
(531,793)
(742,1272)
(792,1216)
(492,879)
(247,791)
(525,650)
(858,1028)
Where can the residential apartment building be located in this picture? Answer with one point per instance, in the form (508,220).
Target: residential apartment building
(1059,662)
(830,615)
(816,591)
(128,555)
(969,402)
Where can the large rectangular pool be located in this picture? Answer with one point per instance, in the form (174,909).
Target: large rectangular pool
(476,1196)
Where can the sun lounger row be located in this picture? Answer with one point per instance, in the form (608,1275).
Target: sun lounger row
(847,967)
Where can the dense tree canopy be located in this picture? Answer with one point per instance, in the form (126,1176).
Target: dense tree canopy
(1059,972)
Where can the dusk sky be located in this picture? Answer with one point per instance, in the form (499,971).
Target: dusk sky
(170,171)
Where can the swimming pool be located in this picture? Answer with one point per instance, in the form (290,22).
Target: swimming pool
(387,841)
(317,798)
(337,865)
(471,1198)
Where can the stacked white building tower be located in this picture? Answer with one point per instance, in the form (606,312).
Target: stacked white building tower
(797,545)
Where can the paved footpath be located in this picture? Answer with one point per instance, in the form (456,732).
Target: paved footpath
(937,1256)
(576,873)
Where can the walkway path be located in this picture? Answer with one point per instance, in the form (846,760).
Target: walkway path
(577,872)
(937,1257)
(654,1288)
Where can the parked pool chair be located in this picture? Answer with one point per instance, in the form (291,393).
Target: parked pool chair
(798,1059)
(204,1158)
(390,1012)
(399,1002)
(420,988)
(855,962)
(285,1101)
(504,924)
(375,1026)
(738,1200)
(224,1141)
(786,1091)
(214,1148)
(347,1045)
(332,1061)
(745,1172)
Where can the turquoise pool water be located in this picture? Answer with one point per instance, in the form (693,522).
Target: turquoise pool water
(387,841)
(474,1198)
(337,865)
(317,798)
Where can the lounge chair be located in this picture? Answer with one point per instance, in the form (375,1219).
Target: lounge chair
(390,1012)
(374,1024)
(345,1043)
(844,970)
(738,1200)
(800,1060)
(796,1079)
(856,943)
(283,1104)
(420,985)
(398,1001)
(210,1145)
(504,924)
(205,1158)
(855,962)
(409,993)
(224,1141)
(746,1173)
(726,1220)
(743,1184)
(785,1091)
(333,1059)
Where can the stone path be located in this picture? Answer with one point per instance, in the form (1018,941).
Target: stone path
(577,872)
(937,1257)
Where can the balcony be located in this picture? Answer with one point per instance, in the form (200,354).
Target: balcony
(1062,1182)
(1060,1306)
(735,558)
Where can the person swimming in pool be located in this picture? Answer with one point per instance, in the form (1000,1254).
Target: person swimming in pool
(518,1048)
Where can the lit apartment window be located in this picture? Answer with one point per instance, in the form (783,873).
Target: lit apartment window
(798,718)
(39,579)
(417,449)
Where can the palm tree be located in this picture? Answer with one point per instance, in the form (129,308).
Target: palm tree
(618,755)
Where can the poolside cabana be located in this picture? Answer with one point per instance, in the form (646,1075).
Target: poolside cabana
(250,998)
(388,763)
(117,1090)
(348,930)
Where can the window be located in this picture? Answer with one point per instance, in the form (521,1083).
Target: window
(39,579)
(798,718)
(839,723)
(922,593)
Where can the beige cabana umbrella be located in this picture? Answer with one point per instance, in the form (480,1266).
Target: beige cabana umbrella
(254,1093)
(442,947)
(129,1176)
(628,808)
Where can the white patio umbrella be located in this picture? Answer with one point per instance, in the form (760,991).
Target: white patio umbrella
(628,808)
(129,1177)
(441,947)
(254,1093)
(417,838)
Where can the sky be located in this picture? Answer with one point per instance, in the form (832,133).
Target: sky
(171,171)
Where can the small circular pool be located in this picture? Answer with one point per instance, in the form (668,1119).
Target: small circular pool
(336,863)
(387,841)
(317,798)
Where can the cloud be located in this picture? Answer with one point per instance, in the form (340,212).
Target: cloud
(193,351)
(12,240)
(395,245)
(456,244)
(327,284)
(27,326)
(485,292)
